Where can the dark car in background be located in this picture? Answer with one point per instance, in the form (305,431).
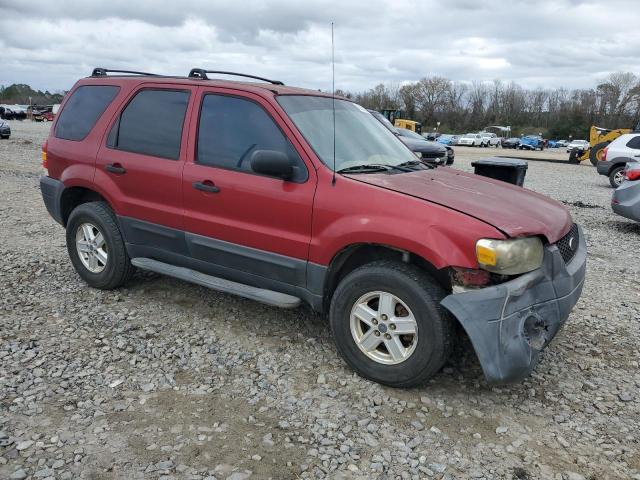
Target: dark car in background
(431,152)
(5,129)
(513,142)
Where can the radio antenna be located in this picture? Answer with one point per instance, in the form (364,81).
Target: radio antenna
(333,103)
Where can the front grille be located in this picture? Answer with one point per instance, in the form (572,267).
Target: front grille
(568,245)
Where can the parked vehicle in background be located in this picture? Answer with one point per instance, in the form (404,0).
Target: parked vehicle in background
(581,145)
(531,142)
(425,149)
(285,195)
(512,142)
(552,144)
(562,143)
(623,150)
(490,139)
(626,198)
(470,140)
(12,113)
(5,129)
(445,139)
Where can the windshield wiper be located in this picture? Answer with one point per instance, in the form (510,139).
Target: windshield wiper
(373,168)
(415,163)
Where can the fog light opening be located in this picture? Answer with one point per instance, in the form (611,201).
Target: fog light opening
(535,332)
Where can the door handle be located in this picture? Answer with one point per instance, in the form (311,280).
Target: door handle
(206,186)
(115,168)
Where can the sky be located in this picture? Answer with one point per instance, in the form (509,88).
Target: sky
(49,44)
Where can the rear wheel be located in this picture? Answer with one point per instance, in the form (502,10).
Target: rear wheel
(388,324)
(96,246)
(616,176)
(596,152)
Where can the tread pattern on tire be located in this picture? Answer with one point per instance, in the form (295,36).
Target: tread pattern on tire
(123,268)
(435,292)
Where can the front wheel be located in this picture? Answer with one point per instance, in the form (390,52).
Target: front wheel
(96,246)
(388,324)
(616,176)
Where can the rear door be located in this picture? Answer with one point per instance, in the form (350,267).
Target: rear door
(142,160)
(253,227)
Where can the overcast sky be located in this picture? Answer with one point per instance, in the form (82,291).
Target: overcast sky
(574,43)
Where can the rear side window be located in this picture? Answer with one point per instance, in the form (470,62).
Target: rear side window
(82,110)
(634,143)
(231,129)
(151,124)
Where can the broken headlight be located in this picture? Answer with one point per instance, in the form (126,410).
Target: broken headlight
(510,257)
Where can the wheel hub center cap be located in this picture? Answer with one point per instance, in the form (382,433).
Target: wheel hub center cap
(382,328)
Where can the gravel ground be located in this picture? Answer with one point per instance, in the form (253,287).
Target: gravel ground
(163,379)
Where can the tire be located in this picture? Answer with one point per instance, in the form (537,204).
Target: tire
(117,268)
(616,176)
(421,295)
(595,152)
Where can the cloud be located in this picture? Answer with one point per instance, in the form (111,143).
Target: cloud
(547,43)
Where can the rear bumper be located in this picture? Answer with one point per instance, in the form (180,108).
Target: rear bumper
(626,200)
(511,323)
(603,167)
(51,193)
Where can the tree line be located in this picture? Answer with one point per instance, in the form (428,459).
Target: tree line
(20,93)
(556,113)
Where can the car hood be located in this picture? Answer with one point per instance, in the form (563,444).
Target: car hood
(423,146)
(515,211)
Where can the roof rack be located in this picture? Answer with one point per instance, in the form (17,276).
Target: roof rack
(201,74)
(102,72)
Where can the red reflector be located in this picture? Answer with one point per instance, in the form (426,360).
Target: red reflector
(632,174)
(604,154)
(45,163)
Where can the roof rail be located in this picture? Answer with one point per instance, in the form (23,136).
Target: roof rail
(102,72)
(201,74)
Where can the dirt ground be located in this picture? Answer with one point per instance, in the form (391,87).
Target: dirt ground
(163,379)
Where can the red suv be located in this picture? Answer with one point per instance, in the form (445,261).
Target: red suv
(286,195)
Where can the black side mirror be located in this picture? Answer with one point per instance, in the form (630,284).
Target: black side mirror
(272,163)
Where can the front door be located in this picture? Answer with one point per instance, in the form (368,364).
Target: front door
(253,227)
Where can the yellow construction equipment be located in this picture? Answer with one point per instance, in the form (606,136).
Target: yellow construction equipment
(408,124)
(599,138)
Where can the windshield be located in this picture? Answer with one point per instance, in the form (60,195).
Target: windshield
(360,139)
(410,134)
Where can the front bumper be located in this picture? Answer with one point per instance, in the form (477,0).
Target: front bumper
(511,323)
(626,200)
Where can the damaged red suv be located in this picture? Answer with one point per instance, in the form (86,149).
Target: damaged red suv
(245,187)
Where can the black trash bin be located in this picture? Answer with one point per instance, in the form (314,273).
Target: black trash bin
(510,170)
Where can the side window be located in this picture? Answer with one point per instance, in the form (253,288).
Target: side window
(634,143)
(232,128)
(151,124)
(83,109)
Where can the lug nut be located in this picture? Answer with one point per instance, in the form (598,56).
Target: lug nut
(375,322)
(392,326)
(384,317)
(387,336)
(376,333)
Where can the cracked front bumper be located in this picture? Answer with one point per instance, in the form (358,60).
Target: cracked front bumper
(511,323)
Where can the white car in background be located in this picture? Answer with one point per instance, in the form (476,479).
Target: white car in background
(471,140)
(579,144)
(623,151)
(490,139)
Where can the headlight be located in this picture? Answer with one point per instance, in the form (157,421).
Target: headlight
(418,154)
(510,257)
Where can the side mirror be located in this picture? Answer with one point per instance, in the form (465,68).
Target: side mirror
(272,163)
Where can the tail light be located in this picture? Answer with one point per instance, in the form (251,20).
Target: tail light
(604,154)
(632,174)
(45,163)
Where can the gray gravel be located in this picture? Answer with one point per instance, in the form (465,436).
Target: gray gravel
(163,379)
